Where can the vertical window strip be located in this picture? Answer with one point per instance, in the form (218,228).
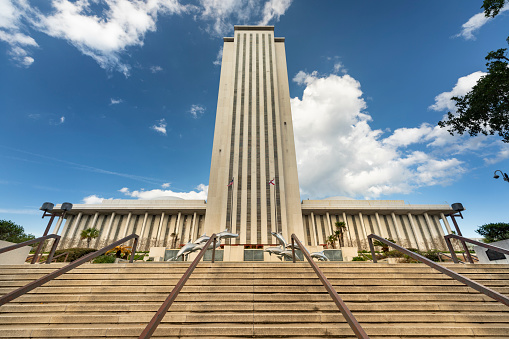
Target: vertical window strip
(249,143)
(258,187)
(183,231)
(388,228)
(232,143)
(274,136)
(241,137)
(118,227)
(308,232)
(151,229)
(323,227)
(167,232)
(266,134)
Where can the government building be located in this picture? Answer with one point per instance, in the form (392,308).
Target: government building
(253,185)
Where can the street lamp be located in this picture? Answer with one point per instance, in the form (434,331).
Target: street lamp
(457,208)
(504,175)
(47,207)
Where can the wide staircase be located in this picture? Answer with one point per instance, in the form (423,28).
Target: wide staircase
(243,299)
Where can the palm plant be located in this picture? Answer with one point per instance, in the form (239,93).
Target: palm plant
(340,230)
(89,234)
(331,240)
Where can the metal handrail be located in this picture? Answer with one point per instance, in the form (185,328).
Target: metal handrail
(33,241)
(475,242)
(34,284)
(354,324)
(156,319)
(481,288)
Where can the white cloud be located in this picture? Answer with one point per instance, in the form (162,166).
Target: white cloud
(104,37)
(219,57)
(94,199)
(463,86)
(199,194)
(155,69)
(196,111)
(474,24)
(223,12)
(160,126)
(11,31)
(339,154)
(57,122)
(165,185)
(62,119)
(115,101)
(273,9)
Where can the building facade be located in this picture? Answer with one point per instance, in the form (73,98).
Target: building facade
(253,185)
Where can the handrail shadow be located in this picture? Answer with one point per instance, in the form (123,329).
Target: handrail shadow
(34,241)
(481,288)
(48,277)
(156,319)
(475,242)
(354,324)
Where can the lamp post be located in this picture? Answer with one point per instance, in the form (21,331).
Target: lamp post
(48,207)
(458,207)
(504,175)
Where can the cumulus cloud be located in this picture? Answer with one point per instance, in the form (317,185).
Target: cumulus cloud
(338,153)
(196,111)
(104,37)
(463,86)
(156,69)
(165,185)
(199,194)
(273,9)
(160,126)
(94,199)
(12,31)
(475,23)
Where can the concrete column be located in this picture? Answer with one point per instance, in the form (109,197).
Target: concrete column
(127,224)
(192,235)
(329,224)
(94,221)
(314,241)
(159,229)
(58,224)
(400,234)
(364,239)
(177,229)
(383,230)
(142,233)
(430,233)
(446,223)
(108,228)
(421,244)
(71,235)
(351,231)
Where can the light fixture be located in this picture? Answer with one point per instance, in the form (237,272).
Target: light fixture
(504,175)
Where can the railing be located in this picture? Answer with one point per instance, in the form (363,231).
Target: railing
(36,240)
(478,243)
(156,319)
(483,289)
(34,284)
(354,324)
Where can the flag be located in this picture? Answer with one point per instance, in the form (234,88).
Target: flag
(272,182)
(231,183)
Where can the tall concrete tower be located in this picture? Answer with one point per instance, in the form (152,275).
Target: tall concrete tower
(253,186)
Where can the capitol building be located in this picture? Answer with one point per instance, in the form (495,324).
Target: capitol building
(253,185)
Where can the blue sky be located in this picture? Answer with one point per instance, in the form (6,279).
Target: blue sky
(105,99)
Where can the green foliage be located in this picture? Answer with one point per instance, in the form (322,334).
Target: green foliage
(494,231)
(432,255)
(492,7)
(104,259)
(385,247)
(358,259)
(74,253)
(89,234)
(9,231)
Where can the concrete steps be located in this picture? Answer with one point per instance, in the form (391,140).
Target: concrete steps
(269,300)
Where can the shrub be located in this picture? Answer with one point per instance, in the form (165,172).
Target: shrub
(74,253)
(433,255)
(358,259)
(104,259)
(394,254)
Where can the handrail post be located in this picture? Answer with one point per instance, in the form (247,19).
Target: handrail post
(451,250)
(475,242)
(53,249)
(135,244)
(36,254)
(214,251)
(470,283)
(293,250)
(354,324)
(372,248)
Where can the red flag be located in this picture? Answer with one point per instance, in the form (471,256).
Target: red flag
(231,183)
(272,182)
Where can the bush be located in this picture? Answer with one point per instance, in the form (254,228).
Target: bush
(104,259)
(433,255)
(394,254)
(74,253)
(358,259)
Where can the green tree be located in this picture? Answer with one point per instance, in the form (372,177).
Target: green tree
(9,231)
(340,230)
(494,231)
(485,109)
(89,234)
